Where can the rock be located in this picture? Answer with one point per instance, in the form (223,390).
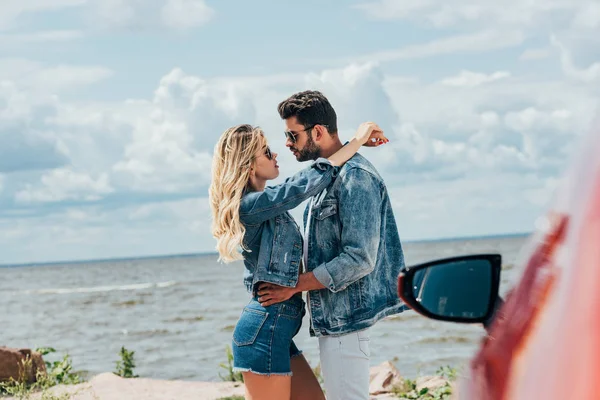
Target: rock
(385,396)
(383,378)
(13,362)
(108,386)
(430,382)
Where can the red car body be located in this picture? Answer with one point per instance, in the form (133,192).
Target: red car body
(545,340)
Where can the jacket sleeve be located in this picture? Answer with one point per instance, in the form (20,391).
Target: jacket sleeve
(257,207)
(359,205)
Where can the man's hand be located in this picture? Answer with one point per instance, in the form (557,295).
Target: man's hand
(269,294)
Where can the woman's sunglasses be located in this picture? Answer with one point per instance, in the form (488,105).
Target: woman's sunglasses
(268,153)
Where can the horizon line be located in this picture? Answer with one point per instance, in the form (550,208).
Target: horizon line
(208,253)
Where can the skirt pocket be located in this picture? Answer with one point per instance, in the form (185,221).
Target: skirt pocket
(248,327)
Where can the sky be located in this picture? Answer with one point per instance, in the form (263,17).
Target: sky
(110,110)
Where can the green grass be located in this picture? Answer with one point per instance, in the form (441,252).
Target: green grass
(59,372)
(230,375)
(126,364)
(408,388)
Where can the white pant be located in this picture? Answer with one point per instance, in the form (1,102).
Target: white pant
(345,366)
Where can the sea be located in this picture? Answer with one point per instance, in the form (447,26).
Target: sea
(177,313)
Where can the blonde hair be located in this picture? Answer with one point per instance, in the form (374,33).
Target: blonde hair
(233,158)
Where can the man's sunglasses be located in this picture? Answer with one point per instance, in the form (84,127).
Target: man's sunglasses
(292,135)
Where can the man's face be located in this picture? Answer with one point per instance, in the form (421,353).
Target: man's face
(304,147)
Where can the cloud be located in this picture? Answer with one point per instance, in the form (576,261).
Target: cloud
(27,140)
(173,139)
(440,134)
(186,14)
(471,79)
(24,143)
(65,76)
(13,9)
(588,16)
(532,119)
(135,161)
(15,40)
(164,144)
(129,15)
(357,93)
(140,15)
(161,145)
(22,151)
(93,232)
(519,126)
(482,41)
(586,75)
(472,13)
(161,157)
(482,206)
(65,184)
(35,76)
(535,54)
(389,9)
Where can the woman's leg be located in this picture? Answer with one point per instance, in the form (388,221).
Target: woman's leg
(305,385)
(267,387)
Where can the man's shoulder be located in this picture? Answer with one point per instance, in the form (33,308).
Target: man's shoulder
(359,164)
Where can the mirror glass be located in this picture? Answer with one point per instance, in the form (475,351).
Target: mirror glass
(455,289)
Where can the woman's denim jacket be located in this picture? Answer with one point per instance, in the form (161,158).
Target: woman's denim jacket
(273,240)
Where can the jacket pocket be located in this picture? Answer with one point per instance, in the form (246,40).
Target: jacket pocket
(248,327)
(356,291)
(327,227)
(326,210)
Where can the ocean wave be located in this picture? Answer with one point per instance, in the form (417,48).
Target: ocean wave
(446,339)
(102,289)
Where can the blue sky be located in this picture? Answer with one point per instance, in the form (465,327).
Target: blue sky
(109,110)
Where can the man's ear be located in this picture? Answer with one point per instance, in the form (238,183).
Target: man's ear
(320,132)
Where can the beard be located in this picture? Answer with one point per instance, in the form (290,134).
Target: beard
(310,151)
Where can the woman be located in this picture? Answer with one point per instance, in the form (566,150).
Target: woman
(255,218)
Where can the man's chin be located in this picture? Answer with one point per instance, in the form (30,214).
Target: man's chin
(303,157)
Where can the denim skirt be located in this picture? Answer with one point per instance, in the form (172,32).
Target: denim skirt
(263,337)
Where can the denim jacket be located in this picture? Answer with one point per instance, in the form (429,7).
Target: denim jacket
(272,238)
(354,250)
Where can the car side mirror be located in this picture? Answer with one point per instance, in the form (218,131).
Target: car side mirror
(458,289)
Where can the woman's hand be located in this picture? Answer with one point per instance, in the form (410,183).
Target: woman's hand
(370,134)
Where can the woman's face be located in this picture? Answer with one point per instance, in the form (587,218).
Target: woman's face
(265,164)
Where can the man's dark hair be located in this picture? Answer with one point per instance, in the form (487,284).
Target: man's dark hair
(310,108)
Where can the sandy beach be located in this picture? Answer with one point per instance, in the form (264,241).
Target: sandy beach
(108,386)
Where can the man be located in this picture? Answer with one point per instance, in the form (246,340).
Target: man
(352,251)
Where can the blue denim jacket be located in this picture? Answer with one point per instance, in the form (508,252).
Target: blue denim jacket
(272,236)
(354,250)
